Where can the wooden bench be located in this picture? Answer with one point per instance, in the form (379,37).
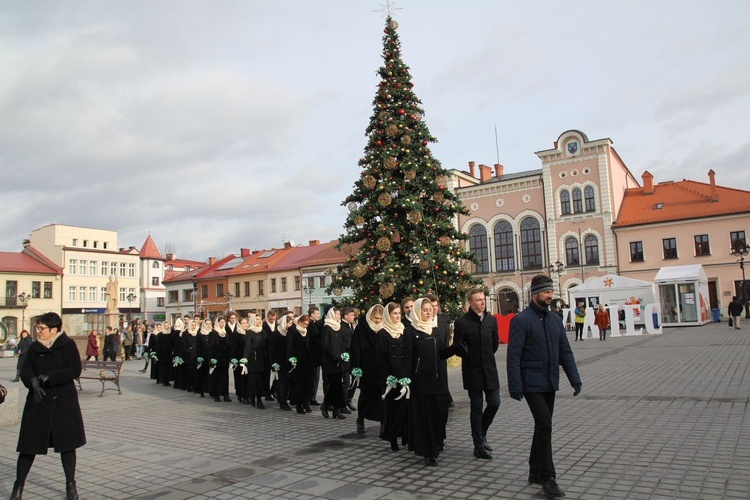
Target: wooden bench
(103,371)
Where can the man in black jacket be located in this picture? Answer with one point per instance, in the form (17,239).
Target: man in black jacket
(347,330)
(314,329)
(735,312)
(537,346)
(476,340)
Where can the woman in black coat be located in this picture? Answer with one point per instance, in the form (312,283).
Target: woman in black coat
(218,354)
(23,346)
(256,353)
(393,361)
(152,350)
(236,334)
(164,354)
(51,416)
(363,358)
(332,363)
(298,348)
(188,354)
(278,358)
(201,367)
(178,370)
(428,413)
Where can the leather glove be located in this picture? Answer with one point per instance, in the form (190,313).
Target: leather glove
(38,391)
(43,379)
(518,396)
(576,389)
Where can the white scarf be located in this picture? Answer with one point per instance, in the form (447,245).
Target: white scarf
(48,343)
(375,327)
(240,330)
(271,325)
(220,331)
(394,330)
(416,318)
(302,331)
(331,320)
(252,327)
(179,325)
(232,326)
(193,330)
(205,330)
(282,326)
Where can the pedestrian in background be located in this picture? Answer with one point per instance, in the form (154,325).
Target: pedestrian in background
(580,319)
(127,341)
(139,341)
(601,320)
(92,346)
(22,347)
(735,312)
(111,344)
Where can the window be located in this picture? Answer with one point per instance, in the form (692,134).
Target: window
(504,246)
(572,258)
(96,244)
(478,246)
(155,265)
(565,202)
(103,294)
(85,243)
(219,289)
(737,238)
(297,283)
(122,295)
(237,289)
(47,289)
(261,293)
(123,269)
(591,246)
(36,289)
(159,301)
(155,281)
(577,201)
(636,251)
(113,268)
(131,270)
(92,267)
(531,244)
(72,293)
(283,284)
(187,295)
(82,268)
(72,266)
(172,296)
(588,196)
(104,245)
(92,294)
(204,291)
(322,281)
(82,294)
(247,289)
(310,283)
(701,245)
(105,268)
(670,248)
(75,242)
(273,285)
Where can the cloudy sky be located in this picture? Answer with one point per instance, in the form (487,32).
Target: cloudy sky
(226,124)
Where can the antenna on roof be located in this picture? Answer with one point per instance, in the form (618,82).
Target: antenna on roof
(497,147)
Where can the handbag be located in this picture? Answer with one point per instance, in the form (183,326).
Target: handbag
(730,321)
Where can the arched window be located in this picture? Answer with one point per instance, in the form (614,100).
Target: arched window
(478,246)
(507,300)
(565,202)
(591,243)
(577,201)
(504,247)
(571,252)
(155,265)
(588,195)
(531,244)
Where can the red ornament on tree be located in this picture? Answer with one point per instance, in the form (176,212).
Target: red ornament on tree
(401,111)
(378,142)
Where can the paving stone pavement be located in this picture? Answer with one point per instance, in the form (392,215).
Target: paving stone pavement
(662,416)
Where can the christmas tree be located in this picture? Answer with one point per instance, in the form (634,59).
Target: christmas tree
(399,234)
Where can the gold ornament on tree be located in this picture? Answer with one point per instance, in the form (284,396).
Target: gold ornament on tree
(382,115)
(390,163)
(386,290)
(338,291)
(423,264)
(359,220)
(441,180)
(391,130)
(406,139)
(414,217)
(369,181)
(410,175)
(393,25)
(347,247)
(383,244)
(359,270)
(445,240)
(438,197)
(385,199)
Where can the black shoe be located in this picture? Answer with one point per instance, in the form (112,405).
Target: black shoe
(307,408)
(324,410)
(430,461)
(361,425)
(203,395)
(166,384)
(314,403)
(344,411)
(260,405)
(451,404)
(482,453)
(552,490)
(338,414)
(285,407)
(251,402)
(217,399)
(394,445)
(351,406)
(534,479)
(300,410)
(270,398)
(71,491)
(142,371)
(17,493)
(227,399)
(486,446)
(15,380)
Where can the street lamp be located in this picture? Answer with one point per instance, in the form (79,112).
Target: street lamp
(309,291)
(130,298)
(740,249)
(23,300)
(195,295)
(558,267)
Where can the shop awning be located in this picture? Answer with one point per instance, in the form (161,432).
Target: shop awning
(681,274)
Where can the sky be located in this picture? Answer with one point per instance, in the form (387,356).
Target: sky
(216,125)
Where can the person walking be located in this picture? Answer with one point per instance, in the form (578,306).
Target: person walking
(365,367)
(92,346)
(52,415)
(332,360)
(277,356)
(164,353)
(601,320)
(314,328)
(138,339)
(537,347)
(22,347)
(256,353)
(347,331)
(580,319)
(475,339)
(300,362)
(202,357)
(111,344)
(127,341)
(187,352)
(393,361)
(218,353)
(735,312)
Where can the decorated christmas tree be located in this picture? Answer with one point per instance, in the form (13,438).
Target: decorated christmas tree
(399,235)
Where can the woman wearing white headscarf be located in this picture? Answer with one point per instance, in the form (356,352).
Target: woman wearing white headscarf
(151,348)
(429,408)
(300,363)
(256,353)
(218,362)
(237,339)
(202,360)
(332,363)
(178,370)
(164,354)
(393,361)
(365,367)
(187,352)
(277,356)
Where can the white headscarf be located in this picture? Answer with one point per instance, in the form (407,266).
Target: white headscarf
(193,330)
(222,332)
(375,327)
(252,327)
(158,328)
(204,330)
(241,330)
(331,320)
(302,330)
(281,325)
(395,330)
(416,318)
(179,325)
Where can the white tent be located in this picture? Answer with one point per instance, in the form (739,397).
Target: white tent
(684,295)
(612,289)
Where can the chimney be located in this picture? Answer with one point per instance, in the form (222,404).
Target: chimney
(287,244)
(485,173)
(498,171)
(314,242)
(256,251)
(714,193)
(471,169)
(211,261)
(170,256)
(26,243)
(648,182)
(244,252)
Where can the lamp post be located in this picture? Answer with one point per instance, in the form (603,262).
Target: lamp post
(23,300)
(309,291)
(195,296)
(558,267)
(130,298)
(740,249)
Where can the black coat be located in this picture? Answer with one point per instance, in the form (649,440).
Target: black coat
(392,358)
(331,349)
(478,367)
(277,350)
(537,346)
(298,346)
(56,420)
(256,351)
(426,352)
(735,308)
(202,347)
(364,356)
(23,347)
(218,349)
(443,333)
(188,348)
(314,331)
(112,344)
(237,345)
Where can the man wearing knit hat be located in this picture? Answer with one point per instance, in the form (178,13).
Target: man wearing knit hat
(537,346)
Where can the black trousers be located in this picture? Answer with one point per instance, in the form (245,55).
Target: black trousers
(542,405)
(481,420)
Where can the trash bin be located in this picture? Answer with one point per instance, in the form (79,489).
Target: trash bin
(655,317)
(716,312)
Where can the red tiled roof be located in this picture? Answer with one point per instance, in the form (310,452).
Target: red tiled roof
(149,250)
(260,261)
(24,262)
(679,201)
(299,256)
(329,254)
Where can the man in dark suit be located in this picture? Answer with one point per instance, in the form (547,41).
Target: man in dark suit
(314,329)
(347,329)
(406,305)
(476,341)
